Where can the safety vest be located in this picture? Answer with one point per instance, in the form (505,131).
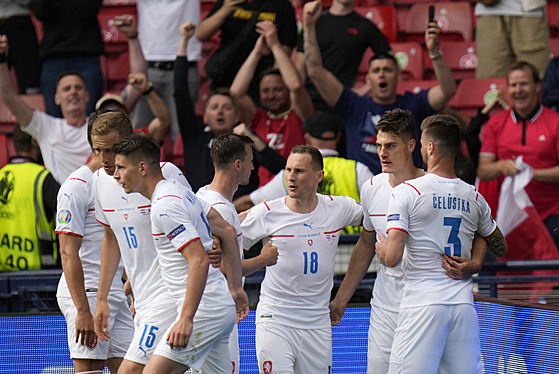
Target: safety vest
(23,221)
(340,179)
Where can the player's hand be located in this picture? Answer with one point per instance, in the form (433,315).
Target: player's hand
(241,302)
(337,311)
(101,320)
(311,12)
(126,24)
(215,254)
(432,37)
(127,287)
(85,331)
(269,254)
(4,44)
(179,335)
(508,167)
(379,248)
(187,30)
(459,268)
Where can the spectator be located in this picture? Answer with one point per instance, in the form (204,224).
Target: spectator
(63,141)
(342,177)
(16,24)
(285,101)
(237,19)
(361,113)
(550,86)
(507,31)
(27,209)
(157,27)
(343,36)
(528,129)
(72,40)
(220,117)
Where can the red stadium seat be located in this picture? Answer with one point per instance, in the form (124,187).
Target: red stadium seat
(106,22)
(200,104)
(4,155)
(473,94)
(410,58)
(460,56)
(119,2)
(554,47)
(454,19)
(116,67)
(415,85)
(384,16)
(552,15)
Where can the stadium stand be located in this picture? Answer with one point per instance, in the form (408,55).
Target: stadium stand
(473,94)
(454,18)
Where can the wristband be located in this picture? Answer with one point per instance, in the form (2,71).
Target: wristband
(148,91)
(3,58)
(436,56)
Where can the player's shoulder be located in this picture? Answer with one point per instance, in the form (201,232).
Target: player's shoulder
(332,201)
(80,179)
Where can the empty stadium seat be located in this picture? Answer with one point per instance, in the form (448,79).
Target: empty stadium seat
(410,58)
(384,16)
(552,16)
(454,19)
(473,94)
(415,85)
(116,67)
(460,56)
(106,17)
(554,47)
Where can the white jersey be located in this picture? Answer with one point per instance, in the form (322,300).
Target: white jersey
(440,215)
(64,147)
(178,217)
(76,216)
(128,215)
(375,194)
(296,290)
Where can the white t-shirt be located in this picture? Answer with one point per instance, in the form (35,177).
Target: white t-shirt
(178,217)
(128,215)
(76,216)
(64,147)
(375,194)
(440,215)
(296,290)
(158,25)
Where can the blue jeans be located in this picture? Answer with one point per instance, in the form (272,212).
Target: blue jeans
(87,66)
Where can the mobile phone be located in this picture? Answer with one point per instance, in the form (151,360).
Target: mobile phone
(431,13)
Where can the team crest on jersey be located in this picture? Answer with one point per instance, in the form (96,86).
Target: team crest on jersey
(64,216)
(310,242)
(126,217)
(393,217)
(267,367)
(176,232)
(94,345)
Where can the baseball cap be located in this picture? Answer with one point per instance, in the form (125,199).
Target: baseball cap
(110,97)
(320,122)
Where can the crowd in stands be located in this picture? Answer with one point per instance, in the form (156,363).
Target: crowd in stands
(279,74)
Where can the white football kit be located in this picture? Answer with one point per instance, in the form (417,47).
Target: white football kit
(295,292)
(178,218)
(438,330)
(128,215)
(229,213)
(76,216)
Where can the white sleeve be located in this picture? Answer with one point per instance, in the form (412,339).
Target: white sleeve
(399,206)
(72,205)
(272,190)
(36,127)
(353,212)
(170,171)
(486,225)
(366,197)
(170,217)
(99,214)
(253,226)
(363,174)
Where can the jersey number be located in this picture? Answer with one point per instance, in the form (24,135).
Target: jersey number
(311,262)
(149,336)
(130,237)
(453,238)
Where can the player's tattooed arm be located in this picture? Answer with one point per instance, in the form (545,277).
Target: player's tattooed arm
(496,244)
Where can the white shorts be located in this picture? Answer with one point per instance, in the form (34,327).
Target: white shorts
(287,350)
(382,325)
(150,326)
(234,351)
(207,350)
(437,339)
(121,328)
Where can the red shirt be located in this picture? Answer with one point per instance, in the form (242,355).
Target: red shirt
(503,139)
(281,132)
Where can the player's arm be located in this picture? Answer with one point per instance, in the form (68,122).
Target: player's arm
(110,258)
(230,259)
(329,87)
(496,243)
(8,93)
(73,271)
(391,249)
(198,264)
(267,257)
(359,262)
(462,268)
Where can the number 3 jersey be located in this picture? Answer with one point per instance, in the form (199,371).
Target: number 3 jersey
(440,215)
(296,290)
(128,215)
